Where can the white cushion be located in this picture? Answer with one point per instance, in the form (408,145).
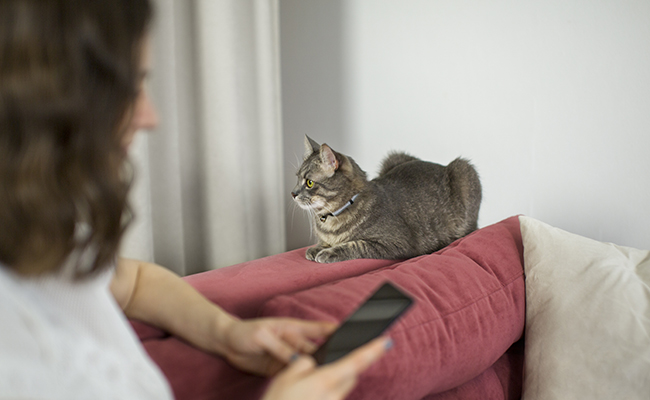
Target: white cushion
(587,317)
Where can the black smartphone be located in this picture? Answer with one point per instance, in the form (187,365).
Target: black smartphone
(372,318)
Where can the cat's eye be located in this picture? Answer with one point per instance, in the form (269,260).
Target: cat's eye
(309,183)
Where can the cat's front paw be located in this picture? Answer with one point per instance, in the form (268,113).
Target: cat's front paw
(330,255)
(311,253)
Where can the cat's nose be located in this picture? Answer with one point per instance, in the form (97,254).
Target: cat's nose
(294,195)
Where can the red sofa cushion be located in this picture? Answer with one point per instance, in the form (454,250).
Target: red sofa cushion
(469,311)
(241,290)
(502,381)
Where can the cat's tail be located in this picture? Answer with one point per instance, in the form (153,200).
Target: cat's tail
(394,159)
(465,185)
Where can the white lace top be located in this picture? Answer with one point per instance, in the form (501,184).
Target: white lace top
(70,340)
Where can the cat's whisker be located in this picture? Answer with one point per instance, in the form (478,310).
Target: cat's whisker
(293,213)
(310,218)
(295,166)
(312,214)
(327,207)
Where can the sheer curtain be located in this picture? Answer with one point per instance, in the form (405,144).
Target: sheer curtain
(209,188)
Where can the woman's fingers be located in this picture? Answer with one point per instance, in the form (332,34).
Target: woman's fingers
(298,333)
(285,337)
(341,376)
(300,367)
(316,329)
(303,380)
(282,339)
(274,345)
(360,359)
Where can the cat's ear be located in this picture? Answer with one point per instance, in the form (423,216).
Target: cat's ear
(310,147)
(329,160)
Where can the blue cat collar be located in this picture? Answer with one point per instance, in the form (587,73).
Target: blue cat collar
(323,218)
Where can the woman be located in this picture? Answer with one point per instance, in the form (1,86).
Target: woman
(72,97)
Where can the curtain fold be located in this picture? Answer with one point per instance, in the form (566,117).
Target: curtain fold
(209,189)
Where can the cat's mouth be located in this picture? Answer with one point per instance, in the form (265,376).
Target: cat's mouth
(309,204)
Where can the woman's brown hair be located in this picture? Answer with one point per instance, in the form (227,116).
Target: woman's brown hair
(68,78)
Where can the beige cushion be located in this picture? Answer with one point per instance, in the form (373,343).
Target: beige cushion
(587,317)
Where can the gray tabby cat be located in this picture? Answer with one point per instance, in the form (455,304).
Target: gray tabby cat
(412,208)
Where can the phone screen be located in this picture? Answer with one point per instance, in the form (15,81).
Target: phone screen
(372,318)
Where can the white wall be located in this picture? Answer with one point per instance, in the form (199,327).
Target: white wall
(549,98)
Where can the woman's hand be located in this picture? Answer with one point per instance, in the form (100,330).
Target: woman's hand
(302,380)
(264,346)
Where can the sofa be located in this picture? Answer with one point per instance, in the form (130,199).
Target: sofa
(504,313)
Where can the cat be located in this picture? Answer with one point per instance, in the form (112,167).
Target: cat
(413,207)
